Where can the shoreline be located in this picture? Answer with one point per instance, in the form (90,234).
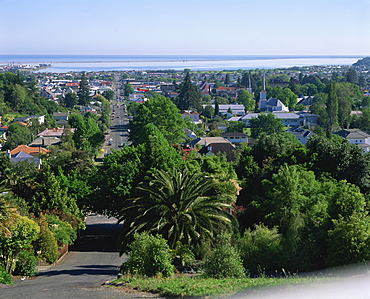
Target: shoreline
(186,59)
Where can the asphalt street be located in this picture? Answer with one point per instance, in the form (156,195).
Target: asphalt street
(91,262)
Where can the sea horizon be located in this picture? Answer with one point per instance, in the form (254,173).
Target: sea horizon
(94,63)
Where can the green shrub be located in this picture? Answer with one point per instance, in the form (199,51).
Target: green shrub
(46,245)
(224,261)
(26,264)
(63,231)
(4,277)
(149,256)
(261,248)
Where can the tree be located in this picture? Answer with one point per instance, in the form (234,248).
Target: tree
(84,91)
(108,94)
(17,135)
(349,240)
(189,95)
(290,98)
(245,98)
(70,100)
(114,181)
(161,112)
(23,232)
(236,126)
(208,111)
(51,196)
(265,123)
(227,79)
(45,243)
(332,108)
(351,76)
(179,206)
(344,161)
(128,89)
(217,108)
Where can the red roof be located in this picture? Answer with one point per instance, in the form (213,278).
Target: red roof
(73,84)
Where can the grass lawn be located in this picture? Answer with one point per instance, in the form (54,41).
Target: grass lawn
(198,286)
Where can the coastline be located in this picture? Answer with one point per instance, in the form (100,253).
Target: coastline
(90,63)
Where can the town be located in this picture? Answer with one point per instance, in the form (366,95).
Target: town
(230,172)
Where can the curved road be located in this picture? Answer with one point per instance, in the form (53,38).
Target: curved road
(92,261)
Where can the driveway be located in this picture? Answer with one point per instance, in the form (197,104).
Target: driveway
(92,261)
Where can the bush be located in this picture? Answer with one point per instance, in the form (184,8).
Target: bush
(261,249)
(63,231)
(46,245)
(149,256)
(224,261)
(26,264)
(4,277)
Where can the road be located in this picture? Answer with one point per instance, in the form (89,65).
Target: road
(118,133)
(92,261)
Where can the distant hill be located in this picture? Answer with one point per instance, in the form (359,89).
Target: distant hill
(364,62)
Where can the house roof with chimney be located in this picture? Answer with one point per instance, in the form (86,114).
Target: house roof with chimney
(33,151)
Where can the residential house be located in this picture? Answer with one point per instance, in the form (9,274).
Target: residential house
(48,94)
(3,130)
(193,115)
(21,156)
(27,119)
(190,134)
(356,136)
(205,88)
(49,137)
(166,89)
(61,118)
(33,151)
(305,100)
(214,145)
(235,137)
(301,134)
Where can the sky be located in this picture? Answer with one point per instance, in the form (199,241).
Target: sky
(185,27)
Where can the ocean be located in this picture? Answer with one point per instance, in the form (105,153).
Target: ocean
(94,63)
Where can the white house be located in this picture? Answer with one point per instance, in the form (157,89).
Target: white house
(356,136)
(193,115)
(235,137)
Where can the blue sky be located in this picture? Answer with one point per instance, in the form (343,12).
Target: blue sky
(185,27)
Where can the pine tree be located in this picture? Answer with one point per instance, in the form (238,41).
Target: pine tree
(332,108)
(189,96)
(217,109)
(227,79)
(84,91)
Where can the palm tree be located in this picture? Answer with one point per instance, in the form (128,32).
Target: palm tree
(181,206)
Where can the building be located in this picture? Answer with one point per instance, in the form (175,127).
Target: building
(213,146)
(235,137)
(356,136)
(28,119)
(287,119)
(301,134)
(193,115)
(230,109)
